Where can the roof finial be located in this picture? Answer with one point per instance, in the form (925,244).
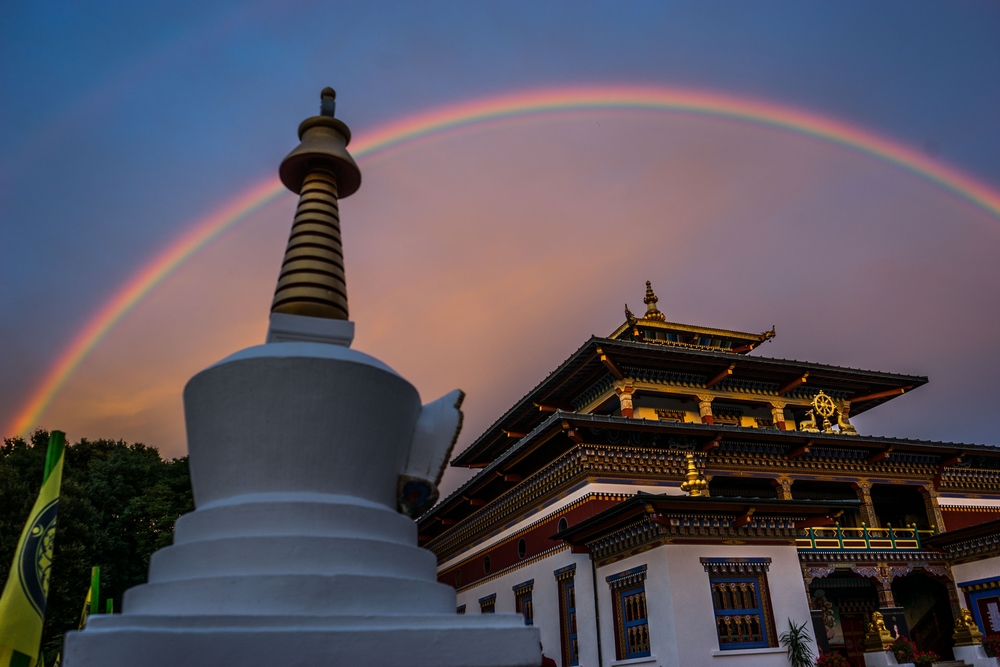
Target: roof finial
(321,171)
(650,300)
(696,486)
(328,102)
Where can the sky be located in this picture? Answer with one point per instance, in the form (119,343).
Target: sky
(482,258)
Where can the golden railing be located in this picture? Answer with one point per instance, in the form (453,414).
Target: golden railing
(836,537)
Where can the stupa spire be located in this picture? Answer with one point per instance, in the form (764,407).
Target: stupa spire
(652,313)
(320,171)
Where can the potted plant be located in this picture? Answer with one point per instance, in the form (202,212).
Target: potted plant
(832,660)
(904,650)
(925,658)
(991,643)
(797,640)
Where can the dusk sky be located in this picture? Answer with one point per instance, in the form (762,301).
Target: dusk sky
(482,257)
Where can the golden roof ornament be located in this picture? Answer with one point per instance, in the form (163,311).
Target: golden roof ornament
(878,638)
(652,313)
(966,631)
(696,486)
(320,171)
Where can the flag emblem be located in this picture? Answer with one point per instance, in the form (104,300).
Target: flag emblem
(35,558)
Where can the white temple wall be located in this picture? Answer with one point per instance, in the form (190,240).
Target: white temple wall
(987,568)
(545,599)
(663,637)
(695,616)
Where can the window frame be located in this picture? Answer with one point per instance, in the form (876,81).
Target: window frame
(488,604)
(623,586)
(568,621)
(523,603)
(751,572)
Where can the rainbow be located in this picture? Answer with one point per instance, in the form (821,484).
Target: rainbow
(498,109)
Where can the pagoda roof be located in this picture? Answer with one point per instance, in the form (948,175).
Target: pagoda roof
(551,438)
(626,512)
(600,361)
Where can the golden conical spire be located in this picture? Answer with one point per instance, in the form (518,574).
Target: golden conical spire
(320,171)
(696,485)
(650,300)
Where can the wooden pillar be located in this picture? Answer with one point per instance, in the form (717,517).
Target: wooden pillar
(705,409)
(778,415)
(625,399)
(783,485)
(864,490)
(934,516)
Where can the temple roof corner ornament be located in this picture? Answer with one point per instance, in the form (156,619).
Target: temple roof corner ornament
(768,335)
(652,312)
(630,316)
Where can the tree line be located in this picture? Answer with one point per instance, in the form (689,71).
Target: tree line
(118,505)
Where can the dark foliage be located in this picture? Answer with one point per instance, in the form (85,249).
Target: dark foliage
(118,504)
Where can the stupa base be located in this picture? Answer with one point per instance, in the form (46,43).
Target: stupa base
(440,640)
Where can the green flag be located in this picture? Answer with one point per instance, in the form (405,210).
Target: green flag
(22,606)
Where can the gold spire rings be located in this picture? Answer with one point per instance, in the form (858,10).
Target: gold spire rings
(311,281)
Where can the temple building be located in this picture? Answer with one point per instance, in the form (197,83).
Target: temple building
(665,497)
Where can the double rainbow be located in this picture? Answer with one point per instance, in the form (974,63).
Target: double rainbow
(498,109)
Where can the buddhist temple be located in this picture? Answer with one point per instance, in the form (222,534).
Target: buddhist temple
(670,495)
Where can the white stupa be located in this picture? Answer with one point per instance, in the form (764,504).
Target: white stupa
(306,458)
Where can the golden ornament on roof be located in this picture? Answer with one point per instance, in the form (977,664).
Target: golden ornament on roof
(824,405)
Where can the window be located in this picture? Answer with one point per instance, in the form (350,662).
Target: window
(488,604)
(563,524)
(458,578)
(522,548)
(628,590)
(567,615)
(743,617)
(522,601)
(460,609)
(486,565)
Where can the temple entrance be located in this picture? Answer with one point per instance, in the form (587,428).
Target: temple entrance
(847,601)
(925,602)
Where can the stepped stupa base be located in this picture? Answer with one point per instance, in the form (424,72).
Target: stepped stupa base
(445,640)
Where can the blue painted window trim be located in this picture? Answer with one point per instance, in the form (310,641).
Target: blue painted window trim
(644,620)
(569,590)
(758,611)
(974,596)
(488,604)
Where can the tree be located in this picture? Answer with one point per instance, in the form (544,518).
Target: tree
(118,505)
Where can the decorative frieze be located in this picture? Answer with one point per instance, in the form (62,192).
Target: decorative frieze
(735,567)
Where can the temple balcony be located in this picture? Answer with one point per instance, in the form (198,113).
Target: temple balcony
(837,538)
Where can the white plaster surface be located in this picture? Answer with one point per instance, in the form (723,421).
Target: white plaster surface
(296,555)
(663,636)
(883,659)
(963,501)
(975,656)
(545,599)
(987,568)
(284,328)
(692,602)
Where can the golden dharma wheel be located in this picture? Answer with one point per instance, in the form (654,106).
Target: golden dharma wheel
(823,405)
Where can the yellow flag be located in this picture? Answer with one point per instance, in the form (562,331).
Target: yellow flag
(22,606)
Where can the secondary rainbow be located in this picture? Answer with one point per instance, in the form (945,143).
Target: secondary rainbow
(476,113)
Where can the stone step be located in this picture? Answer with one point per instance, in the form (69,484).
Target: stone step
(952,663)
